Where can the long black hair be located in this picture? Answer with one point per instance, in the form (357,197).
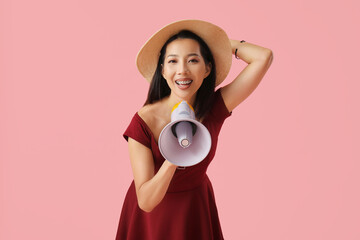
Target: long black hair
(159,88)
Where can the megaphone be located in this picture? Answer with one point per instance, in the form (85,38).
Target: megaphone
(184,141)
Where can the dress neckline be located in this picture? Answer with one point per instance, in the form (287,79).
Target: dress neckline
(149,129)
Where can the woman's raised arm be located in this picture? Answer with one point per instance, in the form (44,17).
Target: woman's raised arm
(259,60)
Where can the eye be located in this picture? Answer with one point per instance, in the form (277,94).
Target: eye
(194,60)
(172,61)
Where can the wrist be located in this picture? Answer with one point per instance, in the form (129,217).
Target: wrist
(169,164)
(236,49)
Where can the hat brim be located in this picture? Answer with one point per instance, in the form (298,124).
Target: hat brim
(215,37)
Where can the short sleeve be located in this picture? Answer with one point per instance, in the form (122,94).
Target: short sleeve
(138,131)
(219,111)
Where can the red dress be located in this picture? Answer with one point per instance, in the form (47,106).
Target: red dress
(188,211)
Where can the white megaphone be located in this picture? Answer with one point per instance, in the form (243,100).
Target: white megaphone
(184,141)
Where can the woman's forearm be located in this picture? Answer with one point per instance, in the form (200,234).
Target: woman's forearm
(249,52)
(153,191)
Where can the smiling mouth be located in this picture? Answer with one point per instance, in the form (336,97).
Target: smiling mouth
(183,82)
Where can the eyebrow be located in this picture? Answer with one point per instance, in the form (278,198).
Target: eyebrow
(189,55)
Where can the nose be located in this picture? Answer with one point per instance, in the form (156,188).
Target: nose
(182,68)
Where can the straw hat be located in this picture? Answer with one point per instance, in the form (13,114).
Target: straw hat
(214,36)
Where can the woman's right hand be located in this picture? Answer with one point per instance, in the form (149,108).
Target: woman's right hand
(150,187)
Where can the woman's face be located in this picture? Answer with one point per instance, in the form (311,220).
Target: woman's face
(184,68)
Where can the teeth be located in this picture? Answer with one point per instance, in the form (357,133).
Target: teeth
(184,82)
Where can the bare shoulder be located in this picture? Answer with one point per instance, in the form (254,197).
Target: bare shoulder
(147,113)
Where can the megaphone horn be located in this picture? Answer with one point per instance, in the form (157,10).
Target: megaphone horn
(184,141)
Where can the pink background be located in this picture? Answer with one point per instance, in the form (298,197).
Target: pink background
(287,165)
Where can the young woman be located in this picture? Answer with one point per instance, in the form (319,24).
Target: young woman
(185,60)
